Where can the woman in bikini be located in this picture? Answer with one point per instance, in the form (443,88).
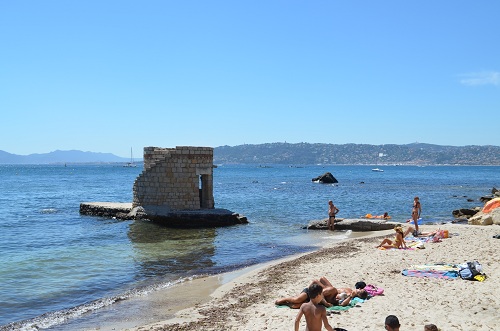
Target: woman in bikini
(415,213)
(398,242)
(332,212)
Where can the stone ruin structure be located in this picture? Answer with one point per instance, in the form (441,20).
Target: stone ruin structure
(178,178)
(176,188)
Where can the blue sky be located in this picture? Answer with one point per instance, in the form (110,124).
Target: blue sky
(105,76)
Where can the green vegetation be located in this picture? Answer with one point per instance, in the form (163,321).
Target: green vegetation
(306,153)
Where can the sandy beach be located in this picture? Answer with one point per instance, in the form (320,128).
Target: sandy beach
(247,302)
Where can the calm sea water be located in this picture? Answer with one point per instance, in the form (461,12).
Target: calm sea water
(57,266)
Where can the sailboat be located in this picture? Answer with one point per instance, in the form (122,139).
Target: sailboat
(130,164)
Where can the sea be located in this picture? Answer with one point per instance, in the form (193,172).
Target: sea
(60,270)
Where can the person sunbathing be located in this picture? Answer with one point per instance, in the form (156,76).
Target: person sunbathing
(332,296)
(339,296)
(398,242)
(385,216)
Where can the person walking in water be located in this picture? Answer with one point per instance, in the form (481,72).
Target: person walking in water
(332,211)
(415,213)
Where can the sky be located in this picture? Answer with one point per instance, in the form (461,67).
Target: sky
(108,76)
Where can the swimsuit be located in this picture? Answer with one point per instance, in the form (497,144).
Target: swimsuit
(306,291)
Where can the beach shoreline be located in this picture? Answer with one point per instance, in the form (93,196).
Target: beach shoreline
(247,301)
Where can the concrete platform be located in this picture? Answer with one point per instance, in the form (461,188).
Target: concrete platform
(105,209)
(201,218)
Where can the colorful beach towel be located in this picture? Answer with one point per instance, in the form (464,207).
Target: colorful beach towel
(354,301)
(442,271)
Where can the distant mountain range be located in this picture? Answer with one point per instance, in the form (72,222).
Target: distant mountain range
(72,156)
(301,153)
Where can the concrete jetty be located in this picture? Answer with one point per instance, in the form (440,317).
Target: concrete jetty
(105,209)
(201,218)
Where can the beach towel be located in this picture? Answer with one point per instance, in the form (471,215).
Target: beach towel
(373,290)
(430,273)
(441,270)
(397,249)
(354,301)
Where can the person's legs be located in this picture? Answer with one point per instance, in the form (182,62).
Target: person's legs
(331,223)
(293,302)
(385,242)
(325,282)
(414,216)
(408,231)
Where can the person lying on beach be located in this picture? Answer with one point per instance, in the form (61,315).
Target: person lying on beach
(314,313)
(340,296)
(421,234)
(398,242)
(332,296)
(385,216)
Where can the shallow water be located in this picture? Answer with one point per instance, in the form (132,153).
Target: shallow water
(59,263)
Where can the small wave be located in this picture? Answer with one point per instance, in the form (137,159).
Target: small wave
(52,319)
(48,211)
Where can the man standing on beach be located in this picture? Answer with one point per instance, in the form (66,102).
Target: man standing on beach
(315,313)
(332,211)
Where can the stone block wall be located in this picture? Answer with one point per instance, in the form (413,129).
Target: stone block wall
(178,178)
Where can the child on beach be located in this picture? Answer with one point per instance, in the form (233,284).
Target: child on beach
(314,313)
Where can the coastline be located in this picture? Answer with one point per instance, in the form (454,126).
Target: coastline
(247,301)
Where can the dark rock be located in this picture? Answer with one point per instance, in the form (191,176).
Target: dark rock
(355,224)
(464,212)
(326,178)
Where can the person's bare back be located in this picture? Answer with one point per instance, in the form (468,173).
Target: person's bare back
(314,313)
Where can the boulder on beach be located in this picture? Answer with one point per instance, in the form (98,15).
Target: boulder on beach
(482,218)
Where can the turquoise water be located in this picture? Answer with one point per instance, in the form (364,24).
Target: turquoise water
(58,265)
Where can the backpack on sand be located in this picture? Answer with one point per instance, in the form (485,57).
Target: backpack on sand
(470,270)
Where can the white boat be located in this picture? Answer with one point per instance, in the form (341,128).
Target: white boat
(130,164)
(377,170)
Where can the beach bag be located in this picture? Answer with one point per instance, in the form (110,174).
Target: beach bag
(373,290)
(469,270)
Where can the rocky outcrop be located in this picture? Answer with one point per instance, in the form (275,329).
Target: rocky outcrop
(476,216)
(354,224)
(326,178)
(465,212)
(493,217)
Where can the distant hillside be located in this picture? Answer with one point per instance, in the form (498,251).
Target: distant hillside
(306,153)
(60,157)
(301,153)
